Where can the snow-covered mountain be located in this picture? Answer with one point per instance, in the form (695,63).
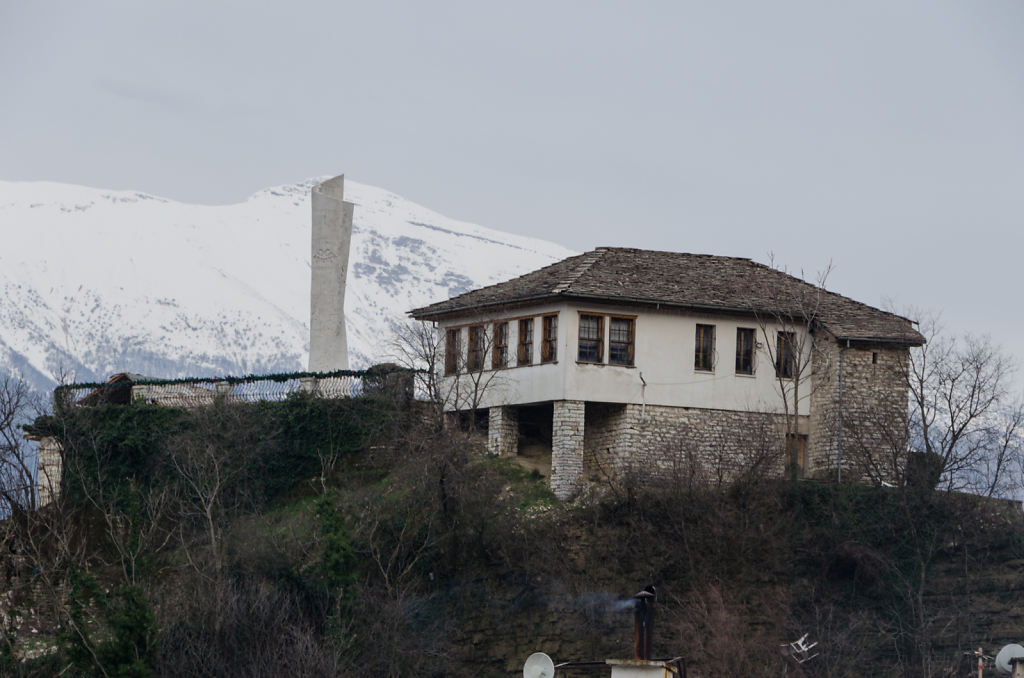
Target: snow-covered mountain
(94,282)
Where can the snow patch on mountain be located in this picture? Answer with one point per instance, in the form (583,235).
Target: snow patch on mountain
(95,281)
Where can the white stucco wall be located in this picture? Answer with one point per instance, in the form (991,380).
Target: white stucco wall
(663,355)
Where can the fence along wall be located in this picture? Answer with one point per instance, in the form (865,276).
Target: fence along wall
(196,391)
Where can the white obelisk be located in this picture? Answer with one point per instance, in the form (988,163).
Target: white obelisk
(332,233)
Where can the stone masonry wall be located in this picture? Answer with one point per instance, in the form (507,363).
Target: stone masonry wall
(674,442)
(503,431)
(607,429)
(567,448)
(872,408)
(49,470)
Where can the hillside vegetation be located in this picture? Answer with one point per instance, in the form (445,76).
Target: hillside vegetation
(362,537)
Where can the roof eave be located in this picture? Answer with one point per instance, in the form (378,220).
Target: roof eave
(425,314)
(901,341)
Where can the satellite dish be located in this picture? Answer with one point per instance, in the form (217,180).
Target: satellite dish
(1006,654)
(538,665)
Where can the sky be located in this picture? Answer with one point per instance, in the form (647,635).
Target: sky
(883,137)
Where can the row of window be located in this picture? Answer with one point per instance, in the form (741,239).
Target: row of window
(704,351)
(620,340)
(477,350)
(591,345)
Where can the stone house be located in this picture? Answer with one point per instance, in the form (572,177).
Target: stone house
(636,360)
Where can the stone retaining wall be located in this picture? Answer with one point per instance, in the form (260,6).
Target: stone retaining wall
(664,443)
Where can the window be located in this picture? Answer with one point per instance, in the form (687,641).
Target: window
(477,338)
(785,357)
(744,350)
(549,341)
(524,355)
(591,349)
(620,341)
(451,351)
(704,348)
(499,352)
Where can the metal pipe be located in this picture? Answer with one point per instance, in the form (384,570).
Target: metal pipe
(643,623)
(643,397)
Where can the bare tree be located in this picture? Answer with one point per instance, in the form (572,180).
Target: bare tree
(18,403)
(418,348)
(787,325)
(452,373)
(961,412)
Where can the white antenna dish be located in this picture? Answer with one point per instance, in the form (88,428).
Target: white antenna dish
(539,665)
(1005,655)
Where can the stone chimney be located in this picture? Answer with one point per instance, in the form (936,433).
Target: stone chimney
(332,233)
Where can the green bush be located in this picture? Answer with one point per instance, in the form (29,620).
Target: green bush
(270,446)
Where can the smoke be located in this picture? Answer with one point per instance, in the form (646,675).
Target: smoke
(604,602)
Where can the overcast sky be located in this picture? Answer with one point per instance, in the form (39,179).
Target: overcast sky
(886,137)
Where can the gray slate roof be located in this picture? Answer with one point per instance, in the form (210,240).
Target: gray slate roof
(690,281)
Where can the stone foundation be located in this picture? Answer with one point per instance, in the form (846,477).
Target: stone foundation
(599,441)
(503,431)
(568,424)
(678,443)
(859,430)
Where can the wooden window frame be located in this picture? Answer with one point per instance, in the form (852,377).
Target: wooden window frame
(477,348)
(785,355)
(524,343)
(629,343)
(452,350)
(499,349)
(597,342)
(704,361)
(549,338)
(746,345)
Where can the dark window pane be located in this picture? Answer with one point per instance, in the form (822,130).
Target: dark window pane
(525,350)
(451,352)
(704,347)
(785,356)
(549,346)
(591,338)
(744,350)
(499,355)
(475,359)
(620,341)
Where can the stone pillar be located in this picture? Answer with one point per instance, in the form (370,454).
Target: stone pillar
(307,384)
(332,233)
(567,448)
(503,431)
(48,471)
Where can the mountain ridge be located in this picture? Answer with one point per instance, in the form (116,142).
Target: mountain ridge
(96,281)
